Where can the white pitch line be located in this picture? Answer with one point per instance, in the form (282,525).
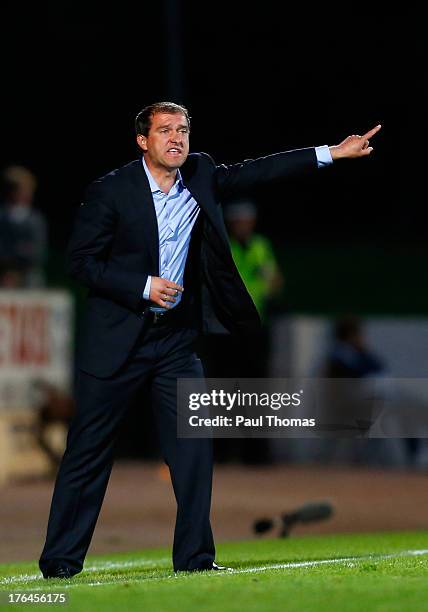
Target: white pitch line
(248,570)
(297,564)
(94,567)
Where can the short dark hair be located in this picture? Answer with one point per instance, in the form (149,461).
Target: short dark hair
(143,121)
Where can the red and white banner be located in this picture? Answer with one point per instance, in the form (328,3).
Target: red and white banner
(36,331)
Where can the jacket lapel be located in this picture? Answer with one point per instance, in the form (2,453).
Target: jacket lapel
(144,201)
(197,185)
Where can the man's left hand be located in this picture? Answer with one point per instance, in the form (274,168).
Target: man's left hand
(354,146)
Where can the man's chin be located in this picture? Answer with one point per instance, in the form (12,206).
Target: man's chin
(176,163)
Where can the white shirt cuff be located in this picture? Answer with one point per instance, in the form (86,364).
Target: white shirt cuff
(146,294)
(324,157)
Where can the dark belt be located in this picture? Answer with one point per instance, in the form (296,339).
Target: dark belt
(167,317)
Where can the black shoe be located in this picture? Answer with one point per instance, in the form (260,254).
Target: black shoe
(58,571)
(220,567)
(213,566)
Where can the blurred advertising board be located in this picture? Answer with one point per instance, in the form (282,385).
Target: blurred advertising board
(36,331)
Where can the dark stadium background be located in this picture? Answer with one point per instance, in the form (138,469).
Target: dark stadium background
(257,78)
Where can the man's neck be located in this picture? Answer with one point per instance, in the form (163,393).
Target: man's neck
(164,177)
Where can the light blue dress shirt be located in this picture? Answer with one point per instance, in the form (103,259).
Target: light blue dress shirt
(176,213)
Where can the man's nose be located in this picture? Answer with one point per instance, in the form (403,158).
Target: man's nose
(176,139)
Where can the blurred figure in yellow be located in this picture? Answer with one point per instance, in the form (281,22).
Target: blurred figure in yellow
(253,255)
(23,233)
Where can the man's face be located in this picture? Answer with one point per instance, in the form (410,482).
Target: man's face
(167,143)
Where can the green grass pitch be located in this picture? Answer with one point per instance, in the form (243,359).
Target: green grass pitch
(361,572)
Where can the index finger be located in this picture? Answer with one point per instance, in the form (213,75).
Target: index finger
(372,132)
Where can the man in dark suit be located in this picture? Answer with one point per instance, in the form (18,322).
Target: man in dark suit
(150,244)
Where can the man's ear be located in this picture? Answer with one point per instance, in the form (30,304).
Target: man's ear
(142,142)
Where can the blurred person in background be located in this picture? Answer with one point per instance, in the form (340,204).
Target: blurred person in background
(350,357)
(23,231)
(253,255)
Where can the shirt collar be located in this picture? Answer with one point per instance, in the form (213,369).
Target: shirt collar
(154,187)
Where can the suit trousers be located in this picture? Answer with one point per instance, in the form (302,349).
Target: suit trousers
(163,354)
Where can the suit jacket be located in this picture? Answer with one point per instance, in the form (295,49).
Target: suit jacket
(114,246)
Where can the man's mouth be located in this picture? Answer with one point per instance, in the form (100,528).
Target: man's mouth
(174,151)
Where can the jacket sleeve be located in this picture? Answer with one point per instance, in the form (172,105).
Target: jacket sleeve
(89,247)
(230,180)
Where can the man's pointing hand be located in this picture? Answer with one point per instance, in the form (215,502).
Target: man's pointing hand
(354,146)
